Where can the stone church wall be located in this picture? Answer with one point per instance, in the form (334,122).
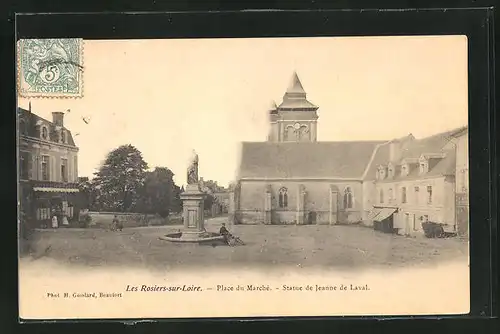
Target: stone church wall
(316,207)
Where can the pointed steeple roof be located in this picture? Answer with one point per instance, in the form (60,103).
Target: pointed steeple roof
(295,85)
(296,97)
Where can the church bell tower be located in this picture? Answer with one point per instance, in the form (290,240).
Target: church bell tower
(295,119)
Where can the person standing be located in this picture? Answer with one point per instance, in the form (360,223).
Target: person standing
(117,225)
(65,220)
(114,224)
(55,224)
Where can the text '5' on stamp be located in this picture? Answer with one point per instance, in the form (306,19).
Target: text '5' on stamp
(50,67)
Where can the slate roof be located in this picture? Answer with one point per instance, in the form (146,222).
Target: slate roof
(435,144)
(295,96)
(431,144)
(297,104)
(31,121)
(444,167)
(306,159)
(460,131)
(381,157)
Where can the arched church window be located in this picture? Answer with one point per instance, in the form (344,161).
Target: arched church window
(289,133)
(283,198)
(302,133)
(348,198)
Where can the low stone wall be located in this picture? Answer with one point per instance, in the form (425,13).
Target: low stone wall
(105,219)
(249,217)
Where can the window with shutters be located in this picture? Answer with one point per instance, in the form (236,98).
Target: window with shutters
(24,165)
(75,168)
(429,194)
(64,170)
(23,129)
(45,165)
(43,213)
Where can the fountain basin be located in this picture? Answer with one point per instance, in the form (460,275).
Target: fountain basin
(200,237)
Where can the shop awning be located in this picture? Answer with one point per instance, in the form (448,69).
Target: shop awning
(384,214)
(374,213)
(56,190)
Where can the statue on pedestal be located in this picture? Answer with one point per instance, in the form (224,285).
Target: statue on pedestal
(192,172)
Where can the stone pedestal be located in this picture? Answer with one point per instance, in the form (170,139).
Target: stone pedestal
(193,200)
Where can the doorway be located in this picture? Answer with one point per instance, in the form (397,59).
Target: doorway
(312,217)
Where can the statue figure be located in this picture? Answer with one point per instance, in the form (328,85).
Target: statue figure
(192,172)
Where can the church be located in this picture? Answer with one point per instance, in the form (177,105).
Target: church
(404,183)
(292,178)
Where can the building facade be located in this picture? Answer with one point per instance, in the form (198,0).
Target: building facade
(418,184)
(462,181)
(48,168)
(292,178)
(220,196)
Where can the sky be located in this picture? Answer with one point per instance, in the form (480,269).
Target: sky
(168,97)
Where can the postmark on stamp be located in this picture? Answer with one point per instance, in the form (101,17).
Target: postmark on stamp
(50,67)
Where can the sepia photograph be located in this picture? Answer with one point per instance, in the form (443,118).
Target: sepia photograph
(312,176)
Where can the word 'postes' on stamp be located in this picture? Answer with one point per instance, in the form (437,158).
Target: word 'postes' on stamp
(50,67)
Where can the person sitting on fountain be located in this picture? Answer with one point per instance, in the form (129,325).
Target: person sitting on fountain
(224,232)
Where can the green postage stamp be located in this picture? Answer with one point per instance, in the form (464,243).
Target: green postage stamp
(50,67)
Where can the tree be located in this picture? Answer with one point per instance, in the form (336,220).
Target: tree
(176,204)
(85,193)
(209,201)
(209,187)
(120,179)
(158,192)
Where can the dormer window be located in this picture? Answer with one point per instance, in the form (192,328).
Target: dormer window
(381,173)
(63,136)
(44,133)
(423,165)
(404,170)
(390,170)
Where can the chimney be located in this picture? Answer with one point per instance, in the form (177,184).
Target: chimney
(394,151)
(58,118)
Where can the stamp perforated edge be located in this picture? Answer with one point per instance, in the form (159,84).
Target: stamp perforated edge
(23,94)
